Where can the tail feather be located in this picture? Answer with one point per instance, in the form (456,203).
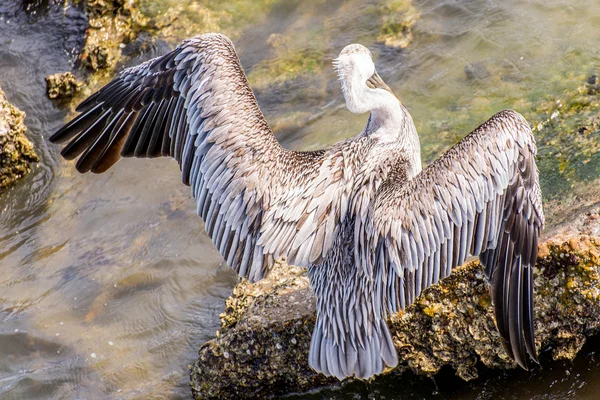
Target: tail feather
(348,358)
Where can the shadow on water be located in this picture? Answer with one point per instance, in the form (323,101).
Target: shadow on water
(108,283)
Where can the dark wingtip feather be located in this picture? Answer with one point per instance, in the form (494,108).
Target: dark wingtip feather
(112,152)
(91,155)
(84,139)
(76,126)
(528,313)
(88,103)
(515,314)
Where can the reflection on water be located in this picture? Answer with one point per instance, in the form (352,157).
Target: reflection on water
(108,284)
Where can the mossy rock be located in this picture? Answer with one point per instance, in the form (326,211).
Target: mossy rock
(62,86)
(16,151)
(262,348)
(111,24)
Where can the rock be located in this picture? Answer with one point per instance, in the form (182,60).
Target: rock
(476,71)
(262,348)
(62,86)
(593,85)
(111,25)
(398,18)
(16,151)
(265,335)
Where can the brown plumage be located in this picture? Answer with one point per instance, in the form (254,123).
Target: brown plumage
(372,228)
(482,197)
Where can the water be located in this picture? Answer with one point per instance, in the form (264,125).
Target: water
(109,284)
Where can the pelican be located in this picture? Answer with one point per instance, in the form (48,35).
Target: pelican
(371,226)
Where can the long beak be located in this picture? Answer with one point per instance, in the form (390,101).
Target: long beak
(375,82)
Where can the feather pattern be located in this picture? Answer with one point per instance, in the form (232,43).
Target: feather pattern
(372,228)
(490,207)
(350,326)
(195,104)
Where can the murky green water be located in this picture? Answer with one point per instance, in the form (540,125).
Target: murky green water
(108,284)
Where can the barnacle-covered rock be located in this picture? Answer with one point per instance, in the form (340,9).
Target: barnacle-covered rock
(265,335)
(262,348)
(16,151)
(62,86)
(111,24)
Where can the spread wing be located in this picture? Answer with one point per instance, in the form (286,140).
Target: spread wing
(481,197)
(260,201)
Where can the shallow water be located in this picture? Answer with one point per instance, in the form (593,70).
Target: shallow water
(109,284)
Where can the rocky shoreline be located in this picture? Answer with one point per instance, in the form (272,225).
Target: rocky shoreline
(16,151)
(262,347)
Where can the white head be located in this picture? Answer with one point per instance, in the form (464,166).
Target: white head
(363,88)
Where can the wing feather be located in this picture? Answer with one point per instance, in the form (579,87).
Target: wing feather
(489,207)
(260,201)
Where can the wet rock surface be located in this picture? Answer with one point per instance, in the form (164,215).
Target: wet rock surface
(263,345)
(265,335)
(16,151)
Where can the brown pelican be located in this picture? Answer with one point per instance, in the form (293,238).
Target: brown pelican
(373,229)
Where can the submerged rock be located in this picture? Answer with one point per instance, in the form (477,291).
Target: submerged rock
(398,20)
(476,71)
(62,86)
(262,348)
(16,151)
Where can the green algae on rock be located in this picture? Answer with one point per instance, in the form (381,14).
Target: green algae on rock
(16,151)
(263,345)
(111,23)
(62,86)
(568,127)
(398,19)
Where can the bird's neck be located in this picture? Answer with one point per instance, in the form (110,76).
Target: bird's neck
(393,123)
(389,121)
(386,119)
